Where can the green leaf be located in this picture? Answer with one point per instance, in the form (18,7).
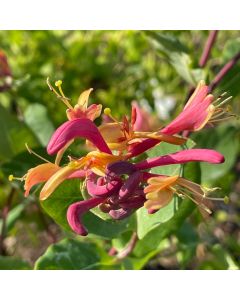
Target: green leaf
(71,254)
(221,259)
(146,222)
(155,234)
(182,63)
(69,192)
(176,52)
(12,263)
(13,135)
(231,48)
(13,216)
(167,42)
(153,238)
(36,117)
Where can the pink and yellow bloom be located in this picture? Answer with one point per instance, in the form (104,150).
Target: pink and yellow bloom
(114,182)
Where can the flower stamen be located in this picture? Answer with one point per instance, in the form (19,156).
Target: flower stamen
(61,95)
(34,153)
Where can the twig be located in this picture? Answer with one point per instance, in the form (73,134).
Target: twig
(208,47)
(225,69)
(129,248)
(5,212)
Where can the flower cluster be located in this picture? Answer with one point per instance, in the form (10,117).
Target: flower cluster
(114,181)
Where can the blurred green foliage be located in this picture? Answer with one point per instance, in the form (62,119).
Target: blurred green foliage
(158,69)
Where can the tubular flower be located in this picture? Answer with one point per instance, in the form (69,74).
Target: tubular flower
(81,109)
(200,110)
(111,179)
(77,128)
(196,113)
(160,191)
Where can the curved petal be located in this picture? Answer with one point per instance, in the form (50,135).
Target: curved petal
(77,174)
(192,118)
(83,98)
(105,190)
(77,128)
(198,95)
(39,174)
(152,139)
(55,180)
(130,185)
(140,118)
(181,157)
(121,213)
(75,212)
(157,200)
(139,148)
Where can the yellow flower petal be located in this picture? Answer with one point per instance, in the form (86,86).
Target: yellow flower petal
(39,174)
(159,183)
(83,98)
(55,180)
(157,200)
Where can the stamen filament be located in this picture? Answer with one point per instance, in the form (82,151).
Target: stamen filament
(33,152)
(59,96)
(224,101)
(220,97)
(223,119)
(59,85)
(11,178)
(107,112)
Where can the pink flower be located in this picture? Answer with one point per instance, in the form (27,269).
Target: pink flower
(196,113)
(77,128)
(75,212)
(182,157)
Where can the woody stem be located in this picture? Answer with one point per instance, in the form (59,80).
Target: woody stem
(225,69)
(207,48)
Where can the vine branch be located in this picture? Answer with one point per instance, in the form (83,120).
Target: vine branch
(208,47)
(223,71)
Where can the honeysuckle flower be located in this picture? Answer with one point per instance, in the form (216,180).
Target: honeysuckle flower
(200,110)
(77,128)
(182,157)
(143,120)
(104,189)
(94,161)
(111,181)
(39,174)
(81,109)
(122,135)
(75,212)
(196,113)
(160,191)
